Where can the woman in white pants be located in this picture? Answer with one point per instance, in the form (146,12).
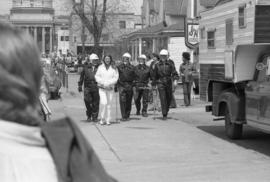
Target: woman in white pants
(106,77)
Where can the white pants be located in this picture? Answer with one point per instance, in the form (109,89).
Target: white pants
(106,101)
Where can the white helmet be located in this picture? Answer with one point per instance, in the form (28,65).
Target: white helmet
(142,57)
(127,55)
(93,57)
(164,52)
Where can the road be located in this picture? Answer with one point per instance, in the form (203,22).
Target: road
(187,147)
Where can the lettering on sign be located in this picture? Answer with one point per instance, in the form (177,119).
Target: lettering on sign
(192,34)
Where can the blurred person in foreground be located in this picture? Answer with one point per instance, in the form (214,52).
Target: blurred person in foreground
(165,76)
(106,77)
(32,150)
(91,93)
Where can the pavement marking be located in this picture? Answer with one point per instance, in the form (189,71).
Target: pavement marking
(108,143)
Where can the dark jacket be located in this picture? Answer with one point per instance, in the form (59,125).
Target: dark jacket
(87,76)
(165,72)
(142,75)
(126,75)
(152,69)
(73,156)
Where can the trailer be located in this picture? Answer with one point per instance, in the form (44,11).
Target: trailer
(234,54)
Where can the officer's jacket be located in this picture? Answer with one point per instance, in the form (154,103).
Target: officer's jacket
(142,75)
(165,71)
(126,74)
(88,76)
(186,71)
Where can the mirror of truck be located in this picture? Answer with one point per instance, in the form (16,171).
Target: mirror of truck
(268,66)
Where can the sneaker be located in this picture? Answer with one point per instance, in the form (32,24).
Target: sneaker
(108,123)
(138,113)
(124,119)
(164,117)
(95,120)
(89,119)
(102,122)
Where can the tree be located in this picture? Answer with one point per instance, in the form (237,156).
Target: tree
(93,17)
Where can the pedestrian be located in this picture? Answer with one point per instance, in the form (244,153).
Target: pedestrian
(125,86)
(91,91)
(164,76)
(141,82)
(106,77)
(32,150)
(186,71)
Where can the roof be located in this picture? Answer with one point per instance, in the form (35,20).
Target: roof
(176,7)
(157,29)
(208,3)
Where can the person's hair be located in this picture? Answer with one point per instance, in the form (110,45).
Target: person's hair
(20,76)
(155,55)
(112,63)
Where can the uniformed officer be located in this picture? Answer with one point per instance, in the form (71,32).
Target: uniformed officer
(125,86)
(142,78)
(164,74)
(91,93)
(186,71)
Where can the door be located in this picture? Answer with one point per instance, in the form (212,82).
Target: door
(258,99)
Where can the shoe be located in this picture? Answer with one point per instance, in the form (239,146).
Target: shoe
(164,117)
(138,113)
(144,114)
(95,120)
(89,119)
(123,119)
(102,122)
(108,123)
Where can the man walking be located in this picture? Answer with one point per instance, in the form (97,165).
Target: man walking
(142,77)
(91,93)
(164,74)
(125,85)
(186,70)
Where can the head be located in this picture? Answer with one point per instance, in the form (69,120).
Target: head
(93,59)
(142,59)
(164,55)
(126,58)
(20,76)
(155,57)
(186,57)
(107,60)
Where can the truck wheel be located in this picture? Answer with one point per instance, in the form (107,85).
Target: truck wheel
(233,130)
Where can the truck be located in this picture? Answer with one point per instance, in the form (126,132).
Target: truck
(234,57)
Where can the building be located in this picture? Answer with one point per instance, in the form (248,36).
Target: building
(164,28)
(117,24)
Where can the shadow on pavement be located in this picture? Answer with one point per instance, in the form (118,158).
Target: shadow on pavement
(252,139)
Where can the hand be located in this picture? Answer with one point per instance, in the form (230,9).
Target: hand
(80,88)
(175,83)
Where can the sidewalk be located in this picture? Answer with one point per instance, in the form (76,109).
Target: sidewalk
(148,150)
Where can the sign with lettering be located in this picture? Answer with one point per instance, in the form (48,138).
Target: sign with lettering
(192,34)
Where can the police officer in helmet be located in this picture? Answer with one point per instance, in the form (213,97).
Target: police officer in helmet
(125,86)
(91,93)
(164,74)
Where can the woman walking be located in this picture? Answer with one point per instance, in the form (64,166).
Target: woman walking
(106,77)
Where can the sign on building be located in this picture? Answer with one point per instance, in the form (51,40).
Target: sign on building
(192,33)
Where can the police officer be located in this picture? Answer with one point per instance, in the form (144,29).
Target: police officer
(125,86)
(142,77)
(164,74)
(186,71)
(91,93)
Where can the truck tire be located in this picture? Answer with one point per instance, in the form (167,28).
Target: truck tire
(233,130)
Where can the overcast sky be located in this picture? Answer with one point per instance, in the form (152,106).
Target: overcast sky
(5,6)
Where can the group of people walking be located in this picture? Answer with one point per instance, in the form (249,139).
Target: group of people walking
(102,80)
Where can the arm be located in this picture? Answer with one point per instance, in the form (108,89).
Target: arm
(80,83)
(98,76)
(114,78)
(175,75)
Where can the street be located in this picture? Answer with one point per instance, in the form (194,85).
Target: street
(189,146)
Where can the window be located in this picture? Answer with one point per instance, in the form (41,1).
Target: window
(66,38)
(74,39)
(211,39)
(122,24)
(242,16)
(105,37)
(62,38)
(229,32)
(202,33)
(31,3)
